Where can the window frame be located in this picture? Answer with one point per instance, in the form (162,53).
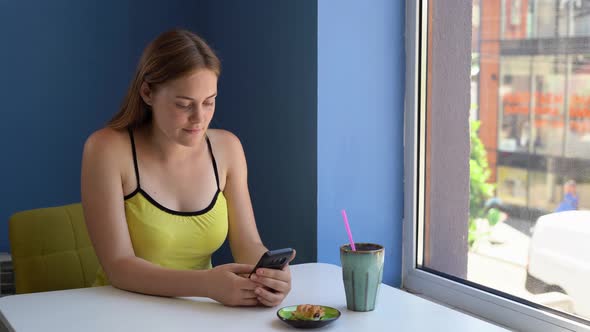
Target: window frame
(488,306)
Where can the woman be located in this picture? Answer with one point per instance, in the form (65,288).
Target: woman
(161,191)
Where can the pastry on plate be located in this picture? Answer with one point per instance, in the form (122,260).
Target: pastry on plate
(308,312)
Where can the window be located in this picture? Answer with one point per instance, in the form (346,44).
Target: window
(497,150)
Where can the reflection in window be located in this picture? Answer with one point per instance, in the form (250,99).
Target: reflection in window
(578,144)
(524,19)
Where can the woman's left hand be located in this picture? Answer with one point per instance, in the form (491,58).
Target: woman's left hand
(274,285)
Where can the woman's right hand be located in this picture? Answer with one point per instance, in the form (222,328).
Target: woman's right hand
(227,285)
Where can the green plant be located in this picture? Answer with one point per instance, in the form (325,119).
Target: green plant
(479,188)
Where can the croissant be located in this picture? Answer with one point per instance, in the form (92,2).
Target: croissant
(309,312)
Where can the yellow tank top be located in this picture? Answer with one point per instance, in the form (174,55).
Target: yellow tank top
(173,239)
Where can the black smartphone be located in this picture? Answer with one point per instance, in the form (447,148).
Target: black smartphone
(274,259)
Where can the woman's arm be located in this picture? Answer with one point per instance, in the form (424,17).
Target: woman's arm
(104,212)
(246,245)
(245,242)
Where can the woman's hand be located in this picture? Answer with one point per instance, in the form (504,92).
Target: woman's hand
(227,286)
(273,285)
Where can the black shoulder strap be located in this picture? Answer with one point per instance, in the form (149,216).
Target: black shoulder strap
(134,156)
(213,161)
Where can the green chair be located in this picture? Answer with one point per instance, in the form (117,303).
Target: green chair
(51,249)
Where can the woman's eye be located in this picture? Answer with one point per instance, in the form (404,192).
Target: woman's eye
(184,107)
(209,103)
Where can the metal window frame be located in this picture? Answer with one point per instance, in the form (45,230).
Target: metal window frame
(497,309)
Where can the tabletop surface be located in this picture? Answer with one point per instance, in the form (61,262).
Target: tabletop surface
(110,309)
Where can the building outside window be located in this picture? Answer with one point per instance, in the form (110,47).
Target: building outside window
(535,126)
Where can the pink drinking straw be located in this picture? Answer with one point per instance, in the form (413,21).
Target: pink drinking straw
(348,230)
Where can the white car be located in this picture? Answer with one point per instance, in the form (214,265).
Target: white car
(559,257)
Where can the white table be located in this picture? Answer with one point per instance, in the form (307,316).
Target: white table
(111,309)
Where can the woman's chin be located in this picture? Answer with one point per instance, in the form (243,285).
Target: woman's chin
(190,140)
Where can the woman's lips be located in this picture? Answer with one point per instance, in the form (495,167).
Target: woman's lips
(192,130)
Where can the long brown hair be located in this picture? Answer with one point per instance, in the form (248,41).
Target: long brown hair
(171,55)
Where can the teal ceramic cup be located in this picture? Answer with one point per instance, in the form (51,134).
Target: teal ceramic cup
(362,272)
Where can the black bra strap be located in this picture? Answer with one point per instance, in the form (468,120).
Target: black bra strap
(134,156)
(214,162)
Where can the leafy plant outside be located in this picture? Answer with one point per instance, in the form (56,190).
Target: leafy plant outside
(479,188)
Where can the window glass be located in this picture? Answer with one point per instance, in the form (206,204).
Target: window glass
(528,228)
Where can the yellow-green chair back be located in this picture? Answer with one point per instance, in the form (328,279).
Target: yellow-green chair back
(51,249)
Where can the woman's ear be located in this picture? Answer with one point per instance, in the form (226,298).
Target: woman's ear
(146,93)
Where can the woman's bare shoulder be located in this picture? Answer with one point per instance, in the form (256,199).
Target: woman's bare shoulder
(225,142)
(107,142)
(228,152)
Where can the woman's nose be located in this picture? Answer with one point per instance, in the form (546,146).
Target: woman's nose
(197,115)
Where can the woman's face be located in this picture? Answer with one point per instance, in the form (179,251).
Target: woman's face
(183,108)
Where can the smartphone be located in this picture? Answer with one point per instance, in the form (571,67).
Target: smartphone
(274,259)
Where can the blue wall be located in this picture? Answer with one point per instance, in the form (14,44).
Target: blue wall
(65,68)
(360,127)
(268,98)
